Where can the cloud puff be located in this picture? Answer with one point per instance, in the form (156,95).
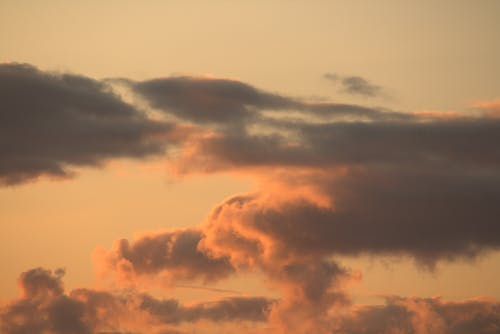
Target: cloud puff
(43,307)
(355,85)
(173,254)
(309,285)
(49,122)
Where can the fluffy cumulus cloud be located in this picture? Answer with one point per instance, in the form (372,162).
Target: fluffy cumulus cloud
(364,212)
(335,179)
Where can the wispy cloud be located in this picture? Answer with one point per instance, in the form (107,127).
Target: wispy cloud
(354,85)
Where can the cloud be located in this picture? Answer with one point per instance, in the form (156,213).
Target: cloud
(228,309)
(425,316)
(424,214)
(47,308)
(354,85)
(38,282)
(309,286)
(208,99)
(424,140)
(225,101)
(52,122)
(43,307)
(424,187)
(51,310)
(174,255)
(335,179)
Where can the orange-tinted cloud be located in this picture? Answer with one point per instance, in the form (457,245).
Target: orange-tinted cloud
(45,307)
(489,108)
(339,180)
(173,255)
(424,316)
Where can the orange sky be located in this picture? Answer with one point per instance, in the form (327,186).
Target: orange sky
(288,137)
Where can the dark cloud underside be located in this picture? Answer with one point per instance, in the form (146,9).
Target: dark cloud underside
(50,122)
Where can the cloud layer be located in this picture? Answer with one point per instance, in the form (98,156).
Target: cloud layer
(425,316)
(44,307)
(334,179)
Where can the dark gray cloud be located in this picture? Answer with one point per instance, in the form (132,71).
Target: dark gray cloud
(206,100)
(423,187)
(425,214)
(229,309)
(354,85)
(461,141)
(444,144)
(174,254)
(51,122)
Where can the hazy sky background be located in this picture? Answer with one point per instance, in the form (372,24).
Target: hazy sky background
(421,56)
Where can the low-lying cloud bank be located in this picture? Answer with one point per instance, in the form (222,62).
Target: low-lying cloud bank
(425,316)
(44,307)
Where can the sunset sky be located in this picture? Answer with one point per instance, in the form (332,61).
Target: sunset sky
(173,167)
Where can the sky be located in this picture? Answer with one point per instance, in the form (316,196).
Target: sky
(250,167)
